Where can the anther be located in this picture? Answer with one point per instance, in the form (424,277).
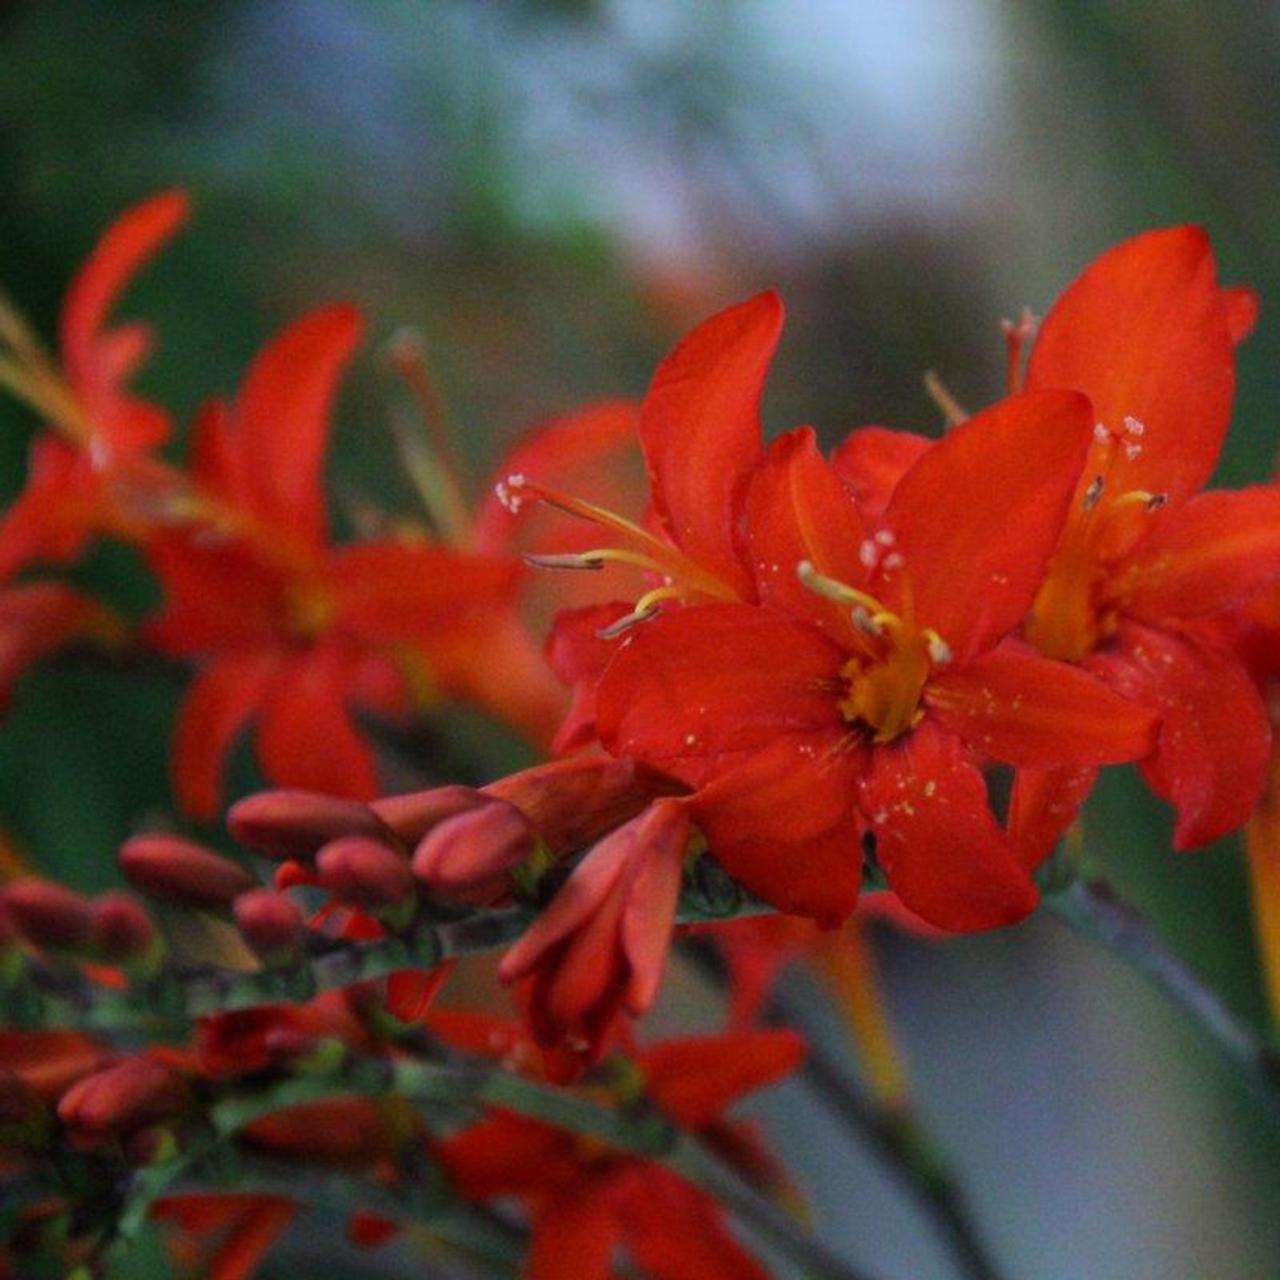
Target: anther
(626,622)
(567,561)
(1156,501)
(1094,492)
(939,650)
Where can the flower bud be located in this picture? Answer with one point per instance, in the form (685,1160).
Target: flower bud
(411,816)
(113,1103)
(181,871)
(286,824)
(572,803)
(48,914)
(469,855)
(365,872)
(270,922)
(122,930)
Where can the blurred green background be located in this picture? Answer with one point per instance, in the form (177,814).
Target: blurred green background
(551,192)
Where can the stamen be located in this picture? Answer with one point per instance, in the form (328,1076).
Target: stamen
(625,623)
(834,589)
(942,397)
(1016,337)
(1094,492)
(1156,501)
(568,561)
(1140,498)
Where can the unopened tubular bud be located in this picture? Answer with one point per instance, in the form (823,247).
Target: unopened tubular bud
(115,1102)
(470,855)
(365,872)
(122,930)
(47,914)
(286,824)
(411,816)
(572,803)
(270,922)
(183,872)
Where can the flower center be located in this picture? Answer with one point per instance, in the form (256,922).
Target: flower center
(1077,605)
(884,681)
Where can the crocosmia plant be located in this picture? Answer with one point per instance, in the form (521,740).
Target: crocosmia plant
(781,692)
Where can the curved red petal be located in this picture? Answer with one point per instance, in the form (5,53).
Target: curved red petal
(976,519)
(871,461)
(1015,706)
(1243,305)
(1044,803)
(1211,552)
(578,656)
(784,823)
(1211,756)
(799,509)
(700,430)
(696,1078)
(125,247)
(305,735)
(1145,333)
(574,1238)
(940,846)
(217,706)
(282,419)
(699,682)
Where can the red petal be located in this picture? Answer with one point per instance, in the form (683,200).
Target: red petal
(574,1238)
(977,518)
(396,591)
(696,1078)
(247,1243)
(216,462)
(871,460)
(283,419)
(217,706)
(1211,756)
(1242,304)
(411,991)
(1015,706)
(578,656)
(941,849)
(1211,552)
(1144,333)
(799,509)
(652,897)
(699,682)
(700,430)
(305,735)
(569,454)
(35,619)
(676,1232)
(1043,805)
(784,823)
(125,247)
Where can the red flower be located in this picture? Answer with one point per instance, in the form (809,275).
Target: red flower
(90,472)
(290,629)
(601,944)
(246,1223)
(863,697)
(586,1202)
(1148,335)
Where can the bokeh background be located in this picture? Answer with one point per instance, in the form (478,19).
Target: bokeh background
(551,192)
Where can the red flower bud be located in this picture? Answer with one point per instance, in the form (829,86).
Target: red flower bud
(122,930)
(574,802)
(469,855)
(287,824)
(182,871)
(601,944)
(411,816)
(270,922)
(48,914)
(113,1103)
(365,872)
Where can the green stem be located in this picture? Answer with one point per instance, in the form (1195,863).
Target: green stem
(648,1135)
(1093,909)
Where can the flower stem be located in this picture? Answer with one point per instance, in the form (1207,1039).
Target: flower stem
(1092,908)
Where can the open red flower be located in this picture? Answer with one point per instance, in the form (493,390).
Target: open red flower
(587,1202)
(90,471)
(288,628)
(864,694)
(1147,333)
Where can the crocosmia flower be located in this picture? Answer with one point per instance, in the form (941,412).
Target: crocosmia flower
(1148,335)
